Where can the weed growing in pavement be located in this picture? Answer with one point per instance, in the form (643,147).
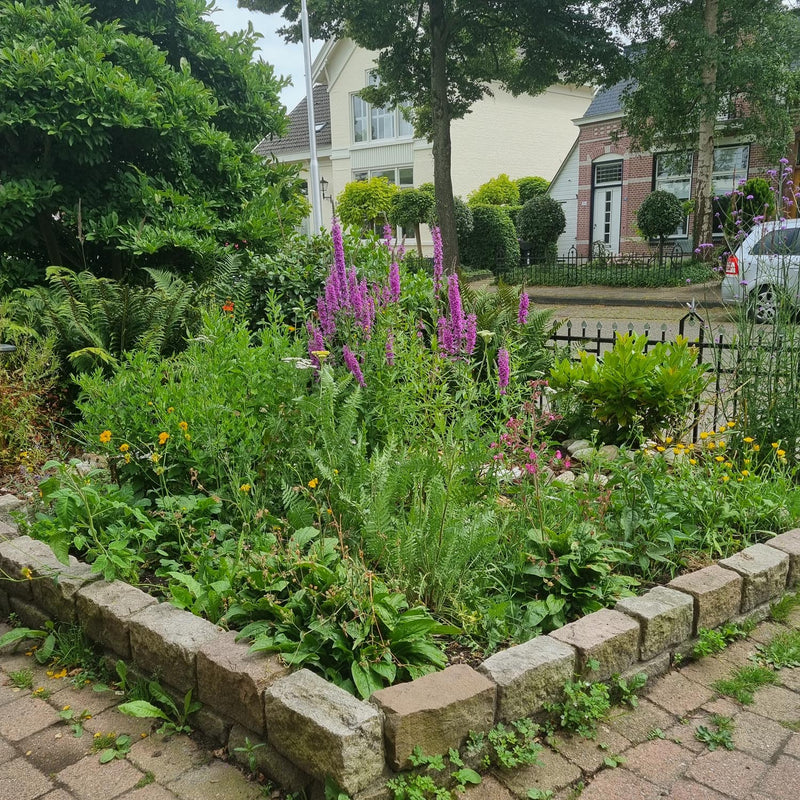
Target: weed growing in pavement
(145,780)
(111,746)
(656,733)
(509,746)
(624,690)
(780,611)
(174,717)
(21,678)
(583,706)
(75,720)
(721,737)
(782,651)
(744,681)
(249,750)
(437,779)
(540,794)
(715,641)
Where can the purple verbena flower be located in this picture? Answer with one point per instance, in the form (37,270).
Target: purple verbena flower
(390,348)
(445,336)
(339,267)
(456,310)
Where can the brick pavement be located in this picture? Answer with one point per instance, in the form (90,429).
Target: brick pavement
(41,759)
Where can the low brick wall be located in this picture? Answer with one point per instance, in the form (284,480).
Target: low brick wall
(311,729)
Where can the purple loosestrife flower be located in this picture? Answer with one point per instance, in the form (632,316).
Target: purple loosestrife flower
(352,286)
(502,369)
(471,334)
(315,342)
(339,267)
(456,311)
(351,362)
(390,348)
(445,336)
(438,260)
(394,282)
(522,313)
(326,317)
(387,235)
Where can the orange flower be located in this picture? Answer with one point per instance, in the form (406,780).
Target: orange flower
(162,437)
(105,437)
(228,307)
(184,426)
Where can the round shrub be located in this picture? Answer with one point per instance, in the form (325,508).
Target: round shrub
(540,222)
(462,212)
(499,191)
(531,187)
(493,242)
(363,203)
(659,215)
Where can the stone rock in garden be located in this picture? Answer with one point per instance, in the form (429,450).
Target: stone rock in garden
(717,594)
(8,531)
(609,637)
(436,711)
(104,609)
(529,675)
(245,745)
(9,503)
(28,614)
(665,615)
(165,641)
(789,543)
(54,589)
(232,679)
(764,570)
(609,452)
(566,477)
(324,730)
(584,454)
(578,445)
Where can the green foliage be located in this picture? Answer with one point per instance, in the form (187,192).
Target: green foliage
(512,746)
(531,187)
(631,392)
(540,222)
(744,682)
(659,215)
(780,611)
(110,746)
(174,717)
(782,651)
(410,207)
(143,156)
(21,678)
(499,191)
(624,690)
(363,204)
(583,706)
(721,735)
(493,242)
(716,640)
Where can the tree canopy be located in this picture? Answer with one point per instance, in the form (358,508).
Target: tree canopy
(441,56)
(127,132)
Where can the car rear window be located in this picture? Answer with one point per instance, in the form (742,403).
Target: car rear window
(778,242)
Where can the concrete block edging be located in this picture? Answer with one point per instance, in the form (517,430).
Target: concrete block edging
(312,729)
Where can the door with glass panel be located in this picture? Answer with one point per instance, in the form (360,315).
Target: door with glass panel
(606,205)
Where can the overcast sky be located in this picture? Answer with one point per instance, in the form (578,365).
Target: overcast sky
(286,58)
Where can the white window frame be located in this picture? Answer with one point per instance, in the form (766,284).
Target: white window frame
(378,123)
(669,181)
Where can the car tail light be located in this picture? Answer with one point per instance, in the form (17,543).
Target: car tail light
(732,266)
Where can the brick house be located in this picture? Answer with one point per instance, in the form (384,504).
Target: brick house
(603,181)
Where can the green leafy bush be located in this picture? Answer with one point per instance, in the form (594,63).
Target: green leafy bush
(499,191)
(658,216)
(531,187)
(410,208)
(540,222)
(363,204)
(493,242)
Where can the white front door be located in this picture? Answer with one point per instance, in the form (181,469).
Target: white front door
(605,214)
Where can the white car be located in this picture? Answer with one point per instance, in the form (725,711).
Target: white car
(764,270)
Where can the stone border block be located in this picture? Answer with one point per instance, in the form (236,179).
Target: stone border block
(435,712)
(789,543)
(665,615)
(608,637)
(529,675)
(266,759)
(717,594)
(232,679)
(54,590)
(325,730)
(104,609)
(165,641)
(29,615)
(764,571)
(8,531)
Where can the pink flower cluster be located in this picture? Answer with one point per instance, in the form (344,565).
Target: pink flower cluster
(457,333)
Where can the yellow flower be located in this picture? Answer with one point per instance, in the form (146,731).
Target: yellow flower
(728,465)
(127,458)
(704,435)
(290,328)
(105,437)
(312,484)
(668,440)
(183,425)
(321,354)
(711,445)
(26,573)
(745,473)
(692,461)
(162,437)
(726,478)
(245,487)
(155,458)
(731,424)
(719,458)
(66,708)
(721,445)
(756,448)
(187,436)
(123,448)
(781,453)
(660,449)
(330,511)
(170,410)
(776,445)
(722,430)
(747,462)
(748,440)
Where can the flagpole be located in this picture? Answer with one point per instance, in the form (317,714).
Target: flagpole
(316,199)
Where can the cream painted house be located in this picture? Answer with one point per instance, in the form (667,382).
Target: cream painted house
(519,136)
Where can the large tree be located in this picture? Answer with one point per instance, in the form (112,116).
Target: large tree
(441,56)
(703,69)
(127,131)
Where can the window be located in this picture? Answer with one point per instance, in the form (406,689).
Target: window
(730,166)
(403,177)
(673,173)
(607,172)
(780,242)
(371,123)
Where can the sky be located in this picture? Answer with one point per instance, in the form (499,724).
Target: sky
(286,58)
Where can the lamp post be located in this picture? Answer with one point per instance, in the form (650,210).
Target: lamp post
(323,185)
(316,202)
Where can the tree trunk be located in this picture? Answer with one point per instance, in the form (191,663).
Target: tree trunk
(417,233)
(703,228)
(442,150)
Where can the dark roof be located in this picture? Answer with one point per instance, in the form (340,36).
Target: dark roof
(607,101)
(296,139)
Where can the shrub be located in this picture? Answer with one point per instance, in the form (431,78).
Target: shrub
(499,191)
(531,187)
(540,222)
(658,216)
(493,242)
(410,208)
(366,203)
(755,198)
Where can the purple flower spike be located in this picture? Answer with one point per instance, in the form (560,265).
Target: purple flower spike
(315,342)
(394,282)
(456,311)
(438,260)
(502,369)
(387,235)
(522,314)
(351,362)
(390,348)
(339,268)
(445,335)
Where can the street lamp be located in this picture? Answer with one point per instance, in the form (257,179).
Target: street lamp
(323,185)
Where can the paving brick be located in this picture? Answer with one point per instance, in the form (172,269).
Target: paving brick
(618,784)
(589,754)
(717,595)
(763,569)
(677,694)
(20,780)
(609,637)
(738,654)
(553,772)
(782,781)
(91,780)
(8,531)
(167,757)
(215,781)
(792,747)
(777,703)
(691,790)
(765,632)
(232,679)
(25,716)
(636,724)
(435,712)
(54,749)
(789,543)
(58,794)
(529,675)
(83,699)
(661,762)
(758,736)
(732,773)
(104,610)
(488,789)
(666,617)
(150,792)
(7,752)
(705,671)
(113,721)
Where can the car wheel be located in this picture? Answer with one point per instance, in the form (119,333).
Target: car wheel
(765,305)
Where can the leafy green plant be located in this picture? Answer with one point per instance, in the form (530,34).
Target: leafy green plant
(493,242)
(721,735)
(499,191)
(443,776)
(530,187)
(174,717)
(658,217)
(21,678)
(364,204)
(782,651)
(410,208)
(249,750)
(75,719)
(745,681)
(716,640)
(540,222)
(583,706)
(625,690)
(780,611)
(110,746)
